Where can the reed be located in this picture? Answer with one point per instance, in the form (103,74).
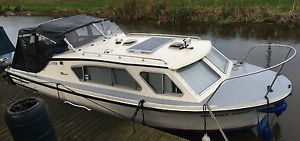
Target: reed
(166,11)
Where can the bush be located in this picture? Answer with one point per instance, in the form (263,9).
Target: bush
(18,9)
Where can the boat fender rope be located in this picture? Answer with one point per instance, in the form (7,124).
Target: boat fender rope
(268,106)
(58,95)
(219,126)
(140,106)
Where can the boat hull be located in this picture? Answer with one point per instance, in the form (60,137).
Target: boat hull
(153,117)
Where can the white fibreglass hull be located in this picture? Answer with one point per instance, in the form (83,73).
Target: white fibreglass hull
(165,119)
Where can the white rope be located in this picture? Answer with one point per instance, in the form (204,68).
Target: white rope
(79,106)
(220,128)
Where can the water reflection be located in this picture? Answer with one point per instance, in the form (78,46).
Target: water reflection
(276,131)
(245,135)
(268,32)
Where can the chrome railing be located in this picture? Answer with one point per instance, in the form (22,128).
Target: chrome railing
(262,70)
(128,56)
(165,35)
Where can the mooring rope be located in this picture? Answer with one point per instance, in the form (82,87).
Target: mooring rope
(204,117)
(213,116)
(5,130)
(140,106)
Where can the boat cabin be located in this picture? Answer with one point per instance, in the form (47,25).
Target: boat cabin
(91,51)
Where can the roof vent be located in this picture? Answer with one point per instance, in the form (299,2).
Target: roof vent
(119,41)
(177,45)
(129,41)
(182,45)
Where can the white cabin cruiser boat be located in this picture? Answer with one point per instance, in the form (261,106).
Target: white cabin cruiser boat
(163,81)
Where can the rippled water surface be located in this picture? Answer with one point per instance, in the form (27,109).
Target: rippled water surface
(234,41)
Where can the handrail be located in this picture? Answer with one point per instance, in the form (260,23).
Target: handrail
(259,71)
(129,56)
(167,35)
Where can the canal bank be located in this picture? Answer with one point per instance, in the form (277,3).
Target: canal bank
(164,11)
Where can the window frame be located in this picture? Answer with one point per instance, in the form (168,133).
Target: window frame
(137,86)
(227,64)
(208,64)
(162,79)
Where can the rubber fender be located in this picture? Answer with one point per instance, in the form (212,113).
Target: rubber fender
(261,125)
(28,119)
(277,109)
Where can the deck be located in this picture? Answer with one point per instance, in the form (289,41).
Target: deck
(72,123)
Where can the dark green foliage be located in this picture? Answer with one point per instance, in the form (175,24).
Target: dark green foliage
(18,9)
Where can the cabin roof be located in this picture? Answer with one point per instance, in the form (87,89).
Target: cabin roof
(163,56)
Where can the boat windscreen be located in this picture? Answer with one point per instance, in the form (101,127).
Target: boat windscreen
(217,59)
(199,76)
(109,28)
(83,35)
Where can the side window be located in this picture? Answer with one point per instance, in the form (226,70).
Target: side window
(122,78)
(107,76)
(160,83)
(98,75)
(79,72)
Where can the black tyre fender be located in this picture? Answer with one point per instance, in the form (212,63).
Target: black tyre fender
(28,119)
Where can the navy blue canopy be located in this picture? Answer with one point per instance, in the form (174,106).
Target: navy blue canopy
(33,53)
(5,44)
(57,28)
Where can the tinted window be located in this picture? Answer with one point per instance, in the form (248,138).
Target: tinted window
(123,78)
(108,76)
(160,83)
(78,72)
(98,75)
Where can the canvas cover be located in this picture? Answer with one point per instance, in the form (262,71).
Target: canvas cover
(5,44)
(57,28)
(33,51)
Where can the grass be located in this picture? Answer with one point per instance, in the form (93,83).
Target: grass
(166,11)
(49,5)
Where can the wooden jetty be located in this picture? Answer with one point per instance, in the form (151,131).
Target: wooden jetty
(74,124)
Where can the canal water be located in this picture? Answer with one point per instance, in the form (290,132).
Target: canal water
(234,41)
